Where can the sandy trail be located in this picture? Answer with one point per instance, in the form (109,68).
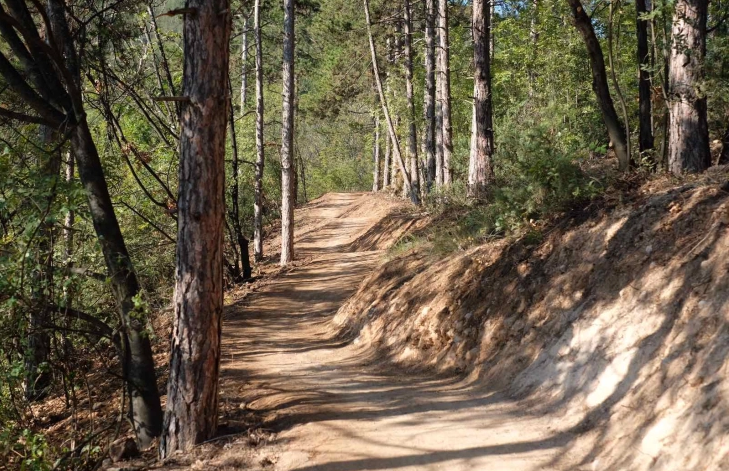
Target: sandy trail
(337,408)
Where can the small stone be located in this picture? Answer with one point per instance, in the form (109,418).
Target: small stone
(649,249)
(123,449)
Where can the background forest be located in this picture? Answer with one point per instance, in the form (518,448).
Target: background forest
(551,151)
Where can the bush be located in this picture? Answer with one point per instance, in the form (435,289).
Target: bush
(534,179)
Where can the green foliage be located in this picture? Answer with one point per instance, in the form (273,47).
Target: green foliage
(534,178)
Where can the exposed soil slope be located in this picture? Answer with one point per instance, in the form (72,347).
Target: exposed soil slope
(614,328)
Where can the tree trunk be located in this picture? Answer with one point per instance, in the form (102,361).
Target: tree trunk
(244,271)
(724,156)
(480,172)
(410,96)
(444,75)
(260,145)
(534,39)
(414,196)
(287,138)
(192,393)
(387,163)
(244,67)
(38,376)
(600,84)
(688,147)
(302,177)
(376,155)
(137,360)
(616,84)
(429,95)
(645,114)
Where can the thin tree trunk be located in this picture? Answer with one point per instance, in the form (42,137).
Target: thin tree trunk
(616,84)
(376,155)
(645,113)
(302,176)
(724,156)
(137,360)
(244,67)
(429,95)
(414,196)
(688,147)
(244,271)
(260,145)
(387,163)
(37,374)
(444,75)
(480,172)
(165,63)
(192,393)
(287,138)
(68,222)
(410,96)
(534,39)
(600,84)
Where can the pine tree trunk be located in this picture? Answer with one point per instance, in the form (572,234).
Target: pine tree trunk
(410,96)
(387,164)
(137,361)
(444,75)
(37,377)
(260,145)
(688,147)
(615,129)
(288,201)
(192,394)
(241,243)
(429,94)
(244,67)
(414,196)
(376,155)
(645,113)
(534,39)
(482,141)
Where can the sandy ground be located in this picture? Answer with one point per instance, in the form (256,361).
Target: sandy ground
(331,404)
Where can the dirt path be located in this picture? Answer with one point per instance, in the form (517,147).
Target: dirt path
(333,406)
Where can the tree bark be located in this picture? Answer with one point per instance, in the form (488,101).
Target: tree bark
(244,67)
(534,39)
(288,198)
(376,154)
(241,243)
(387,163)
(260,145)
(616,84)
(192,394)
(645,113)
(444,75)
(600,84)
(38,376)
(414,196)
(480,172)
(410,96)
(429,94)
(688,147)
(137,360)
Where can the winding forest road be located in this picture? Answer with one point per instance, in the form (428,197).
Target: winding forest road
(333,405)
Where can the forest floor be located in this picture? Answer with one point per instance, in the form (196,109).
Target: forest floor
(329,404)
